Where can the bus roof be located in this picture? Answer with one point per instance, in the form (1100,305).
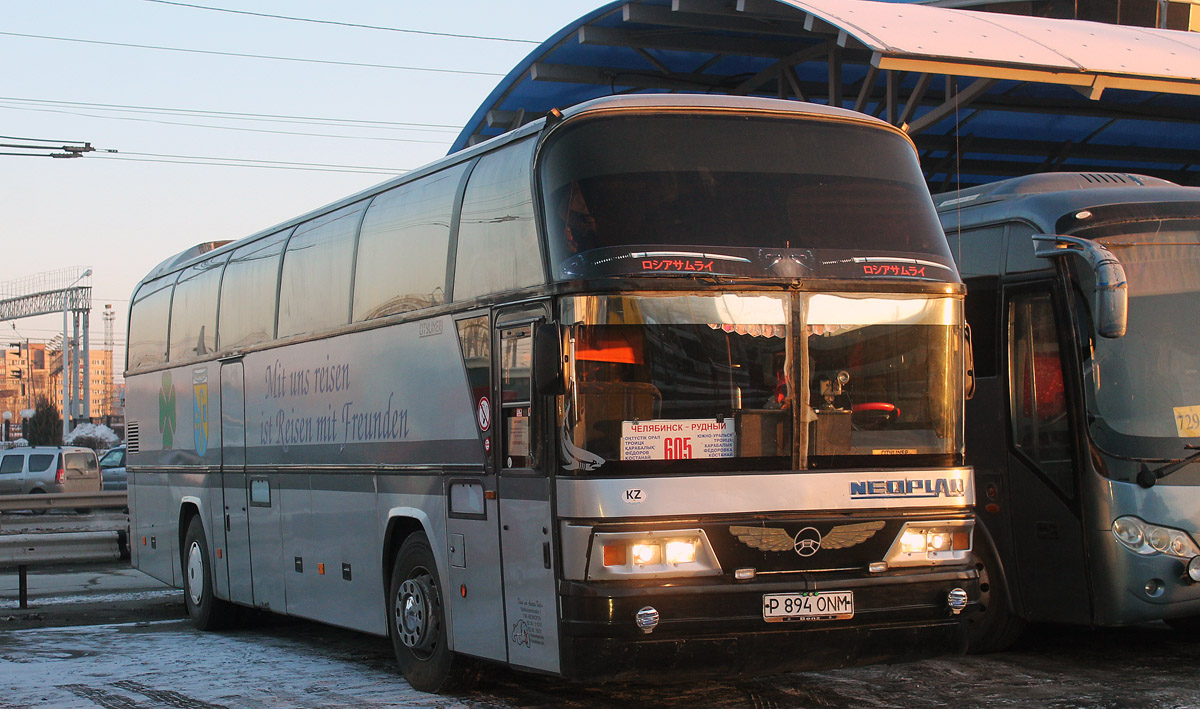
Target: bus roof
(1044,198)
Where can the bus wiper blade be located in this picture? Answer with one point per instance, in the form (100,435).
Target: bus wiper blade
(1147,477)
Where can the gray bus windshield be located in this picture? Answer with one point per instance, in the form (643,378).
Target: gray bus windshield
(696,384)
(756,192)
(1145,386)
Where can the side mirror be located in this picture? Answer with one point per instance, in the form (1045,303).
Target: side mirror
(548,360)
(1111,294)
(968,363)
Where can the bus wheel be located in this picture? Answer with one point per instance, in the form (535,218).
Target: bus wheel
(994,627)
(206,610)
(417,623)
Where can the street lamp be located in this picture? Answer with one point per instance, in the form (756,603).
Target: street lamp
(66,382)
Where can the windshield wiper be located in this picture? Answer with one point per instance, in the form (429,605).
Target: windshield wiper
(1147,477)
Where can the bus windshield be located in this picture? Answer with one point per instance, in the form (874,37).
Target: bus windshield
(766,196)
(713,383)
(1145,386)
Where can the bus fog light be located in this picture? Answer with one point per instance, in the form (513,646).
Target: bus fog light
(1154,588)
(1193,569)
(681,552)
(877,567)
(646,619)
(744,574)
(647,554)
(957,600)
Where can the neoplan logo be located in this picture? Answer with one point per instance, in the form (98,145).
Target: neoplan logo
(884,489)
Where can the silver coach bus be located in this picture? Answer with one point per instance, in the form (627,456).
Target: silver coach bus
(653,383)
(1086,416)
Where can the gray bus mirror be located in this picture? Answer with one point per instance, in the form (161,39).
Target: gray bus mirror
(547,360)
(1111,294)
(968,363)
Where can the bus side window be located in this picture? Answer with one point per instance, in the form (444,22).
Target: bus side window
(1037,397)
(1020,250)
(516,360)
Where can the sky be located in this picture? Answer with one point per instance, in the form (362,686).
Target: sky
(179,176)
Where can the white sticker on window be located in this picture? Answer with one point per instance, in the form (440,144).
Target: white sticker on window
(677,439)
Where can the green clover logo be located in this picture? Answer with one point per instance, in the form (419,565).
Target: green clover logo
(166,410)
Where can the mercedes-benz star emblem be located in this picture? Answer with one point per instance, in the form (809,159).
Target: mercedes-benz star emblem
(807,541)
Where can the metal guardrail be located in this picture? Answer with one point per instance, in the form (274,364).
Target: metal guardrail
(64,500)
(58,548)
(47,548)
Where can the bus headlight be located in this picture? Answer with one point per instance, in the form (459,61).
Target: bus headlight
(656,554)
(1146,539)
(924,543)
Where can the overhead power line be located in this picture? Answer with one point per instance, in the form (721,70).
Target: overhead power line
(273,117)
(214,127)
(70,149)
(210,52)
(252,162)
(345,24)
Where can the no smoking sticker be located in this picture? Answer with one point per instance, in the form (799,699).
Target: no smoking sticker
(483,413)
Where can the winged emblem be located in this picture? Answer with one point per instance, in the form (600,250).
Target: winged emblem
(778,539)
(764,538)
(848,535)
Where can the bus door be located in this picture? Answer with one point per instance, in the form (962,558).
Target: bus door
(234,527)
(254,544)
(526,500)
(475,586)
(1043,470)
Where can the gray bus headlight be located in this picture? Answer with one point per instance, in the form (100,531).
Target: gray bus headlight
(1146,539)
(934,542)
(652,554)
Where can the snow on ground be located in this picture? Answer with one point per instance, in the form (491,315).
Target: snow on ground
(168,664)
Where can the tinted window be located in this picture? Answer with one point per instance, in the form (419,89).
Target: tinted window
(38,463)
(497,238)
(978,252)
(248,293)
(314,293)
(148,323)
(82,461)
(1037,398)
(402,247)
(194,311)
(12,463)
(704,181)
(1020,251)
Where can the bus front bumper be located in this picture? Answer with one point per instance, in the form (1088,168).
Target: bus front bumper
(716,627)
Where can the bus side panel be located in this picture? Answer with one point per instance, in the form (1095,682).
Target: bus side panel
(327,416)
(152,407)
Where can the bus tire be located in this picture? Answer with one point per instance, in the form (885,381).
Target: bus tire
(206,611)
(994,627)
(417,623)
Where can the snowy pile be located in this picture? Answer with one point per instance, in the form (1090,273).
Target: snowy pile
(92,435)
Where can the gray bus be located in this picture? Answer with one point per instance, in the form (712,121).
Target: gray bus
(655,383)
(1085,419)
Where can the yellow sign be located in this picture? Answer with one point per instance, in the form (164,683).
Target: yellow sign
(1187,421)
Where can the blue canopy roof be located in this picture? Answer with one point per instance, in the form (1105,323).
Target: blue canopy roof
(984,95)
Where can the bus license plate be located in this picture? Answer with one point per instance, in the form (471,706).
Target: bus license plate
(814,605)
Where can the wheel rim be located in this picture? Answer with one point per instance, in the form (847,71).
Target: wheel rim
(195,573)
(416,621)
